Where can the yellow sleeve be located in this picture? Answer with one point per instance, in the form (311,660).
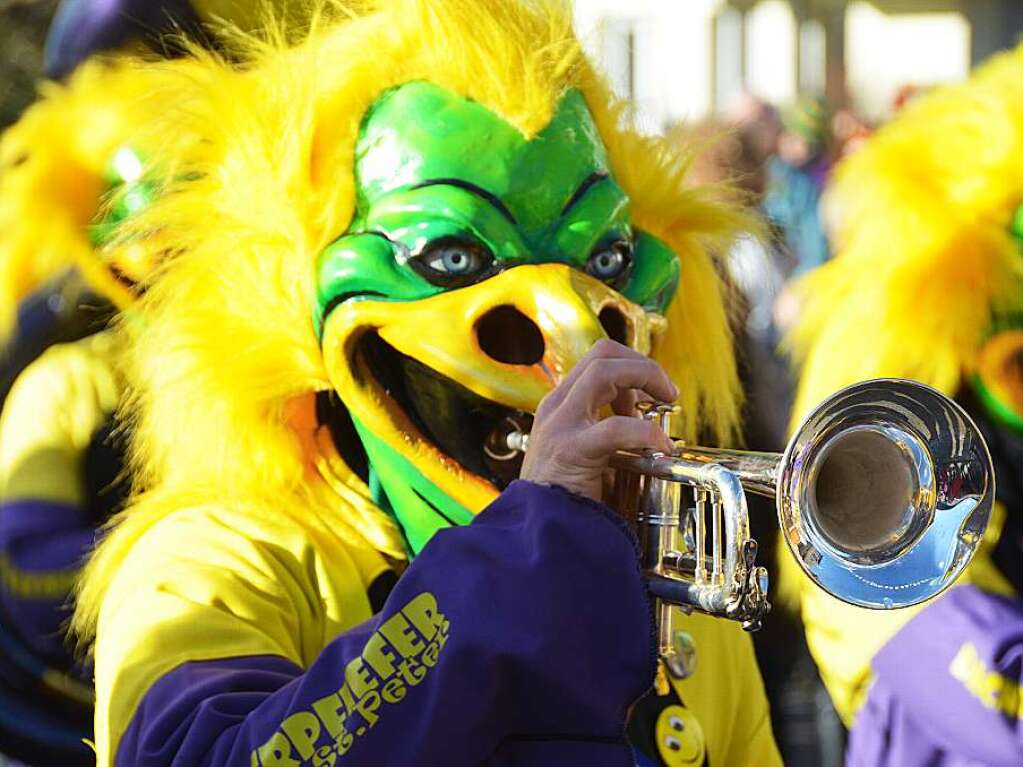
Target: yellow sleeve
(752,741)
(206,584)
(50,416)
(726,694)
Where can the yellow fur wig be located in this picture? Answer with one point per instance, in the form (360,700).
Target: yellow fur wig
(230,359)
(925,260)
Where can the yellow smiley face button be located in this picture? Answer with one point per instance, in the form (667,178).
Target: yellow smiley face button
(680,740)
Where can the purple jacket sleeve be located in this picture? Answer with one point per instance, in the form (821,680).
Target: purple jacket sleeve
(947,688)
(522,638)
(42,546)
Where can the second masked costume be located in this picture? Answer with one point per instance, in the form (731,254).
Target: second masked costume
(71,174)
(70,169)
(928,284)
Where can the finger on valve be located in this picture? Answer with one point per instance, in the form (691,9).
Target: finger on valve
(571,445)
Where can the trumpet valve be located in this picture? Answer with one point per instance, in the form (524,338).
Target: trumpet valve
(658,411)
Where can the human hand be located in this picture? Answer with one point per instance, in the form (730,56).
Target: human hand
(570,444)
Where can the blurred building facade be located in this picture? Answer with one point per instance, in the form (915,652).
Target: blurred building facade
(691,58)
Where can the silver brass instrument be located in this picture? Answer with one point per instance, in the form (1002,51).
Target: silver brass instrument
(883,494)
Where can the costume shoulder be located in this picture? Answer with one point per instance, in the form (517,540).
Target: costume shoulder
(213,582)
(947,686)
(54,409)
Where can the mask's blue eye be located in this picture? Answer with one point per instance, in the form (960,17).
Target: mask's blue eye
(610,263)
(453,262)
(453,259)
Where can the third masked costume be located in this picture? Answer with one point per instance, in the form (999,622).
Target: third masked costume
(70,169)
(928,284)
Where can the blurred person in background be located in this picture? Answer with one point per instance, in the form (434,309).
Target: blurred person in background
(758,127)
(738,152)
(70,169)
(927,283)
(849,132)
(807,729)
(758,265)
(796,176)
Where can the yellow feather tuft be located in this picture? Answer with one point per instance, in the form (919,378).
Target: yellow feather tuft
(925,259)
(265,181)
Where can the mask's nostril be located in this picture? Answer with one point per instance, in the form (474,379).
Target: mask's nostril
(507,335)
(614,324)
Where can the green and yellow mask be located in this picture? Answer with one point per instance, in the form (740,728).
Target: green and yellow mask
(479,267)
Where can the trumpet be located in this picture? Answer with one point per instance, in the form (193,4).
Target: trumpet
(883,495)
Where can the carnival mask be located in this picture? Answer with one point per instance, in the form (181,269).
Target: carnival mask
(480,266)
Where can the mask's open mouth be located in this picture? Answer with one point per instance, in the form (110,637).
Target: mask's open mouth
(435,386)
(468,428)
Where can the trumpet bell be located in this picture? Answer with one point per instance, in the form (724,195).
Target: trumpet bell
(884,493)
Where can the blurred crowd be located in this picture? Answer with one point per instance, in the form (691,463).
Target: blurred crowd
(780,158)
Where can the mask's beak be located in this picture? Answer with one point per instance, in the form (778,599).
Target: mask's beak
(508,340)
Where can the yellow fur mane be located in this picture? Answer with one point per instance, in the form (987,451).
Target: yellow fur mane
(228,353)
(925,259)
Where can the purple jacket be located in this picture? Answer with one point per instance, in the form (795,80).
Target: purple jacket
(523,638)
(947,688)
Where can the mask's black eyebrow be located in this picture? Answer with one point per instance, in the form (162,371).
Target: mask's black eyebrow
(584,187)
(468,186)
